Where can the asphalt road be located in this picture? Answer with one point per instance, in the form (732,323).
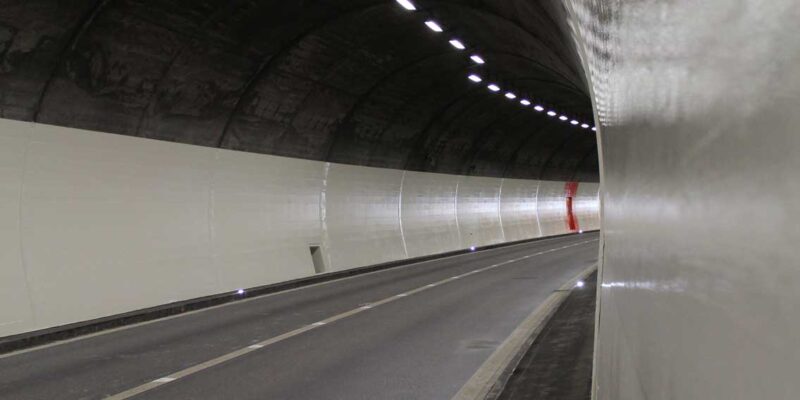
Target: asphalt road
(413,332)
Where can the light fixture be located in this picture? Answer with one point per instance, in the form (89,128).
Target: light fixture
(551,113)
(240,291)
(584,126)
(579,284)
(538,108)
(594,128)
(477,59)
(407,4)
(563,118)
(574,122)
(457,44)
(510,96)
(525,102)
(433,26)
(471,248)
(493,87)
(475,78)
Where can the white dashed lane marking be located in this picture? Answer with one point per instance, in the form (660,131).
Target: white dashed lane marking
(254,347)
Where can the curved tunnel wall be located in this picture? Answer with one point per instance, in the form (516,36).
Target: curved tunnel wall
(700,276)
(137,222)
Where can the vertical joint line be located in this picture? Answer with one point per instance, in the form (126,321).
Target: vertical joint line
(500,209)
(400,213)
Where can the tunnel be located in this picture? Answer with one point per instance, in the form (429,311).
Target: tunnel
(399,199)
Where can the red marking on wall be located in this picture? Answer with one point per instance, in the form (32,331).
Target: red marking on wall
(571,191)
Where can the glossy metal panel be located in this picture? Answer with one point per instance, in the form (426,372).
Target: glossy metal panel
(428,213)
(94,224)
(517,211)
(698,102)
(551,208)
(363,219)
(478,207)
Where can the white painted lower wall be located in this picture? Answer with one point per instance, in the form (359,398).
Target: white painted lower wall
(94,224)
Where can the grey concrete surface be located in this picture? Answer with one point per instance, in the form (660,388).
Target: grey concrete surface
(558,365)
(424,346)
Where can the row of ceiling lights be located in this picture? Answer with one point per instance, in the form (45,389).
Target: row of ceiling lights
(475,78)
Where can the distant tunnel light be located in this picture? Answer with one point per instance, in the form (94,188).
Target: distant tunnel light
(579,284)
(574,122)
(434,26)
(407,4)
(510,96)
(563,118)
(475,78)
(477,59)
(594,128)
(493,87)
(457,44)
(240,291)
(525,102)
(471,248)
(539,108)
(551,113)
(585,126)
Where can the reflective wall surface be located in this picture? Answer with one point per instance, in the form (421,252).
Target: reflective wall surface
(700,133)
(138,223)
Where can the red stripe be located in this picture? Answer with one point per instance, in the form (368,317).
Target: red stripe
(571,191)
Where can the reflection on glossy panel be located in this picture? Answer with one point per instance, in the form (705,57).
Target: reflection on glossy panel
(94,224)
(698,102)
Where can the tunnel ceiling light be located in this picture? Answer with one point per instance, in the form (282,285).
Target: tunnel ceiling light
(594,128)
(579,284)
(407,4)
(477,59)
(434,26)
(457,44)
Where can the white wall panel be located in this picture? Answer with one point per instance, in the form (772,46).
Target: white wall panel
(551,208)
(265,214)
(700,290)
(518,209)
(16,313)
(363,216)
(479,211)
(93,224)
(111,220)
(586,206)
(429,213)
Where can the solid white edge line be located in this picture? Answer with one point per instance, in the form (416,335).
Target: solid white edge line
(488,376)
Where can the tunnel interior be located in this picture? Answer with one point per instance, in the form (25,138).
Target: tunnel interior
(361,82)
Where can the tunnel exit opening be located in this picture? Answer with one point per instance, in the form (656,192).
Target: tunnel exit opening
(317,259)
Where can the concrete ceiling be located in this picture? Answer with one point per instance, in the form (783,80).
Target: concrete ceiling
(351,81)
